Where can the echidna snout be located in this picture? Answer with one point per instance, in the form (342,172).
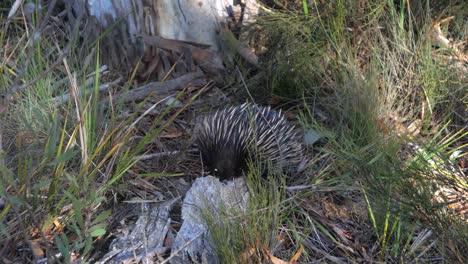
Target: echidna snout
(230,137)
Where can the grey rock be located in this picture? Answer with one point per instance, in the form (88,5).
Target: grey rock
(207,194)
(145,240)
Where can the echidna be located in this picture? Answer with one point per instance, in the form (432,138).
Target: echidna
(229,138)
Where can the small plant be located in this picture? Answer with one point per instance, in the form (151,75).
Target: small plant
(248,236)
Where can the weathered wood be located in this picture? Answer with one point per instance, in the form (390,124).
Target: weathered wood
(163,89)
(189,27)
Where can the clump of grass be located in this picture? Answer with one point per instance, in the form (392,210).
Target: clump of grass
(374,75)
(245,237)
(63,158)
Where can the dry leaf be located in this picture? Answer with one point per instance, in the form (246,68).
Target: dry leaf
(296,256)
(171,132)
(247,254)
(415,127)
(136,169)
(272,258)
(383,127)
(344,235)
(290,115)
(463,162)
(58,226)
(14,8)
(36,249)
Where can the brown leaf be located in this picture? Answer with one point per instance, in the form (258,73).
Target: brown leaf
(272,258)
(290,115)
(136,169)
(142,183)
(344,235)
(58,226)
(415,127)
(463,162)
(36,249)
(171,132)
(296,256)
(383,127)
(247,254)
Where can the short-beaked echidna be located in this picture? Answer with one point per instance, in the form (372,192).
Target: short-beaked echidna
(229,138)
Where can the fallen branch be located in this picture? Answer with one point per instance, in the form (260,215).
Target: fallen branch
(301,187)
(64,98)
(162,89)
(226,37)
(160,154)
(90,78)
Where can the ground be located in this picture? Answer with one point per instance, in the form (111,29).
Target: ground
(380,86)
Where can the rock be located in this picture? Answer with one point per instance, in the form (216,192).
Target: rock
(207,194)
(146,240)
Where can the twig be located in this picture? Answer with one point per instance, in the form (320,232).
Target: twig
(301,187)
(64,98)
(244,84)
(160,154)
(2,153)
(181,248)
(90,78)
(157,155)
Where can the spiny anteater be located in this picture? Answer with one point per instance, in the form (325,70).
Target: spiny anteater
(229,138)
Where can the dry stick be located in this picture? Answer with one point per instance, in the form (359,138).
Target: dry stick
(64,98)
(162,88)
(161,154)
(90,78)
(2,153)
(183,247)
(17,88)
(325,254)
(301,187)
(3,107)
(245,84)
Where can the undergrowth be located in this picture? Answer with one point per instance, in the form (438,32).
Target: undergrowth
(387,99)
(246,236)
(64,148)
(383,95)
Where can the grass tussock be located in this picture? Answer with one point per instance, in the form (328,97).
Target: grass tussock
(64,148)
(248,236)
(391,105)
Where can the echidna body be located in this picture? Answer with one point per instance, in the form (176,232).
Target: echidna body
(229,138)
